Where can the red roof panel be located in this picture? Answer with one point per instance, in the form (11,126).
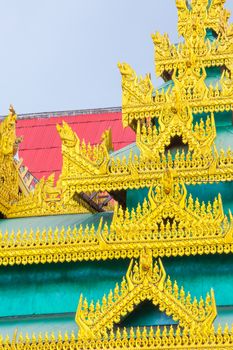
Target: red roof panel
(41,145)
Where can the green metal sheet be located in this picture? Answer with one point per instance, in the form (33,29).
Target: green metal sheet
(53,221)
(38,324)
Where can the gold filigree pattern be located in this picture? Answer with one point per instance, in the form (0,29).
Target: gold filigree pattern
(89,168)
(193,22)
(47,199)
(185,63)
(144,281)
(86,244)
(188,87)
(80,158)
(169,223)
(152,140)
(138,172)
(169,215)
(161,338)
(9,185)
(137,92)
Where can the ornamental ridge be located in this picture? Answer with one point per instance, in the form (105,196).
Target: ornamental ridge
(169,222)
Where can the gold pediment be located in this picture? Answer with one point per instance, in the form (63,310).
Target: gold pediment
(199,137)
(145,280)
(170,215)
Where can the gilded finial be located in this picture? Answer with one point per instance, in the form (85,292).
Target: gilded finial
(11,109)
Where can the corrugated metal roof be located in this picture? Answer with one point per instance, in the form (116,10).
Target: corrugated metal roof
(41,146)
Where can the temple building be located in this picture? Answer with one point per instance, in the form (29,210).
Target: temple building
(116,224)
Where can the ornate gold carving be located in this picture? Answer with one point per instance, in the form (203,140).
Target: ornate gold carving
(87,168)
(193,22)
(11,179)
(137,92)
(161,338)
(111,174)
(144,281)
(8,172)
(81,159)
(8,140)
(60,245)
(169,223)
(152,140)
(189,88)
(199,15)
(140,171)
(106,140)
(169,215)
(187,61)
(47,199)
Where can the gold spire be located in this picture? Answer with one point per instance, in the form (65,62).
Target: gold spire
(8,173)
(193,22)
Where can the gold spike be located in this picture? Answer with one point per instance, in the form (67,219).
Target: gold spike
(59,337)
(118,334)
(157,334)
(138,333)
(66,336)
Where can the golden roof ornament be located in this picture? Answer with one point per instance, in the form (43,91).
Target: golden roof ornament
(88,159)
(152,140)
(169,215)
(134,337)
(12,111)
(7,133)
(47,198)
(9,188)
(145,280)
(202,14)
(194,19)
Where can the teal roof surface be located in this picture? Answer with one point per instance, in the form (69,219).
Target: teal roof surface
(53,221)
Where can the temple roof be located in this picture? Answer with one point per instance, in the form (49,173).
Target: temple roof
(173,189)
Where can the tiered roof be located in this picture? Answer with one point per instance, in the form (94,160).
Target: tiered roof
(179,130)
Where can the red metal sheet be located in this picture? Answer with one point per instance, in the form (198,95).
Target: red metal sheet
(41,145)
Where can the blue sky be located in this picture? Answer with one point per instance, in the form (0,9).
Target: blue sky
(63,54)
